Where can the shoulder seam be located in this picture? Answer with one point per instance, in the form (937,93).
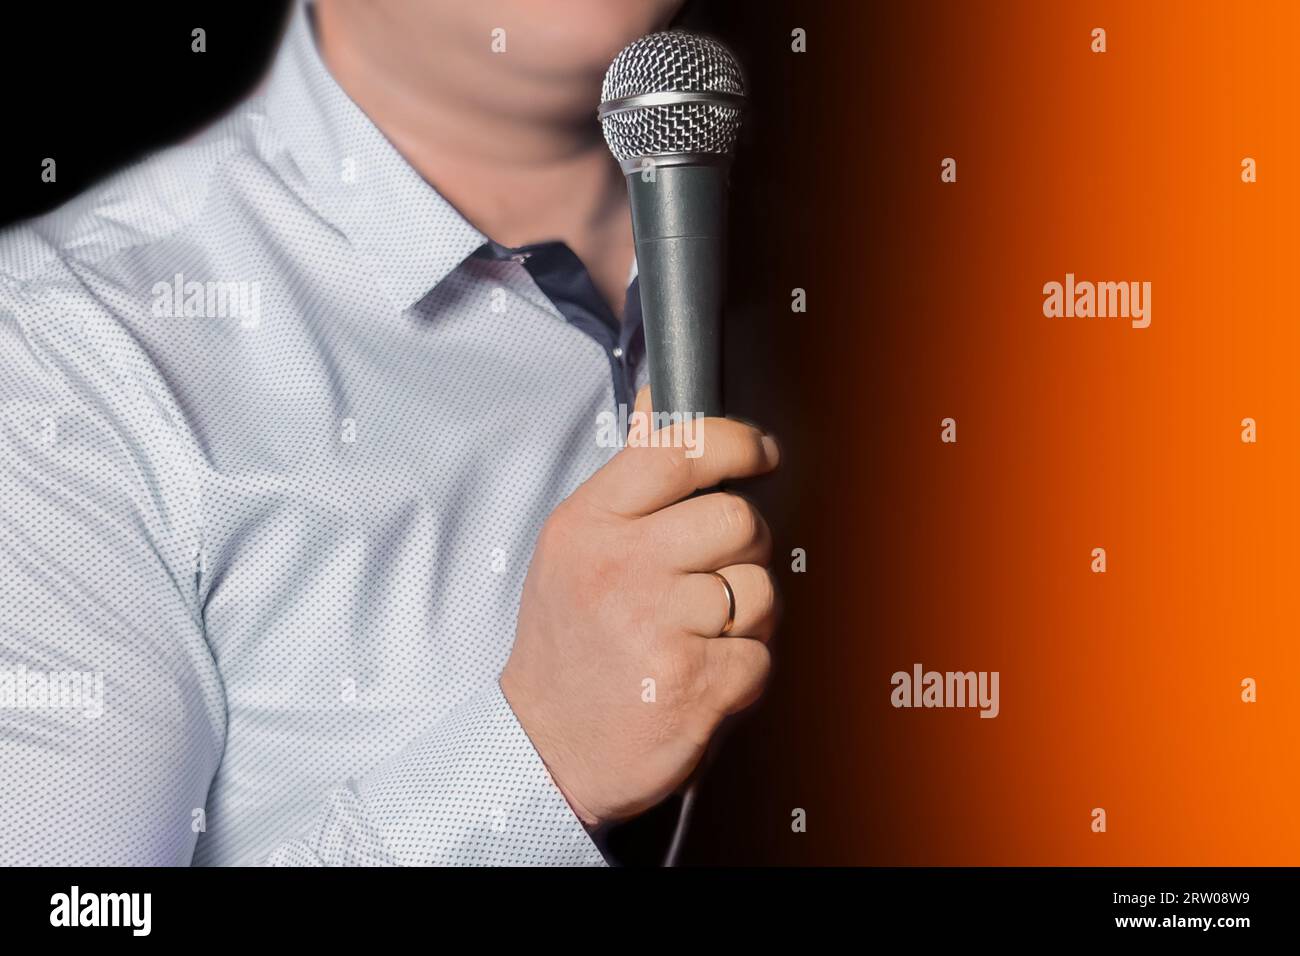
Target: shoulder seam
(232,146)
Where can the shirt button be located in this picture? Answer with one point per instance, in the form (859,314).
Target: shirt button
(618,352)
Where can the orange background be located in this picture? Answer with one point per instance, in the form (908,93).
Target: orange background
(1118,690)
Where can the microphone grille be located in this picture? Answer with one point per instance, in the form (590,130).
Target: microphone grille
(673,61)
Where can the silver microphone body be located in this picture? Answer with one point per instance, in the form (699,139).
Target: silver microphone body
(671,106)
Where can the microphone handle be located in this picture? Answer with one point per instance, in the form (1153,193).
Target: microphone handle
(678,222)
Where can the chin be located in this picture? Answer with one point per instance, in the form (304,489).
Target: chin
(582,35)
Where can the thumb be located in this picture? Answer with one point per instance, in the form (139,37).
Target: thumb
(639,422)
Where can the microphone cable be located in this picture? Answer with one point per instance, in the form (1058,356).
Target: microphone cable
(683,823)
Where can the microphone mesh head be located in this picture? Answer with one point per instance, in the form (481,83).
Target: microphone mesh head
(674,61)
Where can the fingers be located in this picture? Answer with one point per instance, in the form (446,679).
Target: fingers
(687,457)
(701,602)
(643,404)
(708,532)
(737,669)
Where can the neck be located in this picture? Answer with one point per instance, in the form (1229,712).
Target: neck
(521,175)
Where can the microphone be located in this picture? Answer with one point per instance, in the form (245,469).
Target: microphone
(670,108)
(671,105)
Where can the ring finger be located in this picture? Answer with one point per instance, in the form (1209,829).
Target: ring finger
(703,602)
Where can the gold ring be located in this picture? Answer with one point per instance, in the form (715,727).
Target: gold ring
(731,603)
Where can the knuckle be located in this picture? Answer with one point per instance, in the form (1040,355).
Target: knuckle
(580,555)
(685,676)
(670,463)
(555,530)
(679,465)
(739,519)
(750,666)
(725,446)
(565,529)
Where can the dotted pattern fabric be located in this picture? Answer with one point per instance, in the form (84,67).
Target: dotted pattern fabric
(289,543)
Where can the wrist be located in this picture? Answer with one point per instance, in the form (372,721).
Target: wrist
(548,749)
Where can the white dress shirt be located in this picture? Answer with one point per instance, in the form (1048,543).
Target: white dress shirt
(278,430)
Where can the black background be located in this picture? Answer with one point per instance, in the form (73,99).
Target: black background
(823,906)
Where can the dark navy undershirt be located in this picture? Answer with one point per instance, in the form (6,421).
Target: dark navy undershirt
(563,279)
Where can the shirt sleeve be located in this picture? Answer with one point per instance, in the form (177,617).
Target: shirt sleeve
(112,715)
(112,708)
(471,791)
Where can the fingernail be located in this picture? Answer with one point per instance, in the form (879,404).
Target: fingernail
(771,449)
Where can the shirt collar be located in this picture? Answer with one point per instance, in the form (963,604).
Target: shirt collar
(410,237)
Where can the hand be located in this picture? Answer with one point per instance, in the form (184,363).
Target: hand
(619,591)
